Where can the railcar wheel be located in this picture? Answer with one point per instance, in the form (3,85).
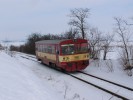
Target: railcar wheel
(63,70)
(52,65)
(41,62)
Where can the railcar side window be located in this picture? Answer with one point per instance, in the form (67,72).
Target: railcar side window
(53,49)
(49,49)
(80,48)
(44,48)
(39,48)
(36,48)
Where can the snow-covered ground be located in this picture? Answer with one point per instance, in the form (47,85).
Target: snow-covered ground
(23,79)
(18,82)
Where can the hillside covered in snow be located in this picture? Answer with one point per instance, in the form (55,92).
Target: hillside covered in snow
(20,83)
(23,79)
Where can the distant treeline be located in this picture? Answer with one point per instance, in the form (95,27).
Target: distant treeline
(29,46)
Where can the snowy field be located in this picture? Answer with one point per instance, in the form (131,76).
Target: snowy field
(23,79)
(19,83)
(8,44)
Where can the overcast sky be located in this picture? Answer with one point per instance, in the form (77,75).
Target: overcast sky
(19,18)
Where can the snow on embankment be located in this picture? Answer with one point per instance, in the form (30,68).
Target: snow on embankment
(18,83)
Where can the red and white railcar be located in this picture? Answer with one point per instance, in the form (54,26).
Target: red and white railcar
(69,55)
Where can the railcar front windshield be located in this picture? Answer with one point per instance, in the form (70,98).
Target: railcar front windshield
(68,49)
(74,48)
(81,48)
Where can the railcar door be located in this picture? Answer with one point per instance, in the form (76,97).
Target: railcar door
(57,54)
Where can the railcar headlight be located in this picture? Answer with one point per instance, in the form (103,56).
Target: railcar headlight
(85,56)
(65,58)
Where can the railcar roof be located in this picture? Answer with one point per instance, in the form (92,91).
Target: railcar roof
(50,41)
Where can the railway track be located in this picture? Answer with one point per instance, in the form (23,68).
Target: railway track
(120,85)
(28,55)
(114,92)
(81,78)
(29,58)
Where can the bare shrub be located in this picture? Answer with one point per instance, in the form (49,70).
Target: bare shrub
(107,39)
(95,37)
(76,96)
(12,53)
(127,64)
(50,78)
(96,62)
(66,88)
(109,64)
(123,31)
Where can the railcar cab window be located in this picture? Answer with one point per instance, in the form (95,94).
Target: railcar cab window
(81,48)
(84,47)
(67,49)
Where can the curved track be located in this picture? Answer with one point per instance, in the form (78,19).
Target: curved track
(101,88)
(93,84)
(120,85)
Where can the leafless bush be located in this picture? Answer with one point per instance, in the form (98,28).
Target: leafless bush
(11,53)
(123,31)
(50,78)
(107,39)
(76,96)
(66,88)
(96,62)
(109,64)
(95,42)
(127,64)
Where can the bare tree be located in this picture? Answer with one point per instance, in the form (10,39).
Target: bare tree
(1,47)
(127,23)
(109,65)
(78,20)
(107,39)
(94,41)
(123,31)
(71,34)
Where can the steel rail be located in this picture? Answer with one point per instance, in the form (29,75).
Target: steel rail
(110,92)
(125,87)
